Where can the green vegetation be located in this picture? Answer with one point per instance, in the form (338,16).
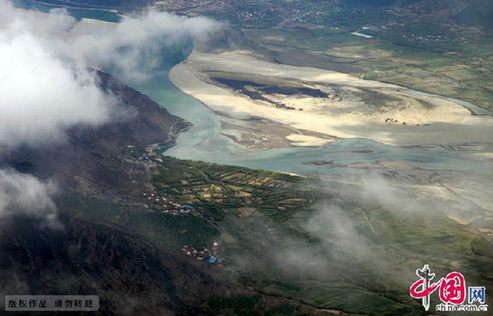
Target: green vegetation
(283,310)
(164,231)
(438,58)
(277,240)
(251,306)
(482,247)
(239,305)
(212,189)
(219,189)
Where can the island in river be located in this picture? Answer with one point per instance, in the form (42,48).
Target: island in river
(241,85)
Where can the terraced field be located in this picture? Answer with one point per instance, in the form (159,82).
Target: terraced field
(438,59)
(219,190)
(315,243)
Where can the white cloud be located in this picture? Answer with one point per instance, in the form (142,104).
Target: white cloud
(331,223)
(41,96)
(135,45)
(23,193)
(46,87)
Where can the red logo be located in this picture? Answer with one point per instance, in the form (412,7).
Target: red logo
(452,288)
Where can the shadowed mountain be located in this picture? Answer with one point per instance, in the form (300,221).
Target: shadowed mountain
(90,158)
(116,244)
(129,274)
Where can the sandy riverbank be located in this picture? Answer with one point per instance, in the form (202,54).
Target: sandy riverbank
(429,119)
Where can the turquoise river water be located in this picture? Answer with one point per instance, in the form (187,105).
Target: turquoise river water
(204,140)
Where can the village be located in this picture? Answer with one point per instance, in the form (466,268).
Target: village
(204,254)
(394,121)
(166,205)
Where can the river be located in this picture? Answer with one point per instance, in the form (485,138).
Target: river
(205,142)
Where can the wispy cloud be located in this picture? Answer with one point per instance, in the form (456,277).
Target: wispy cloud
(27,195)
(47,87)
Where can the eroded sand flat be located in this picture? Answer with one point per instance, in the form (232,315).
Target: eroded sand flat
(417,118)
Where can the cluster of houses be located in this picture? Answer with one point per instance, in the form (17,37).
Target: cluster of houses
(391,120)
(151,157)
(202,253)
(166,205)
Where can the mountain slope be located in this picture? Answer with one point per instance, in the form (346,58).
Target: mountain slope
(130,275)
(89,159)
